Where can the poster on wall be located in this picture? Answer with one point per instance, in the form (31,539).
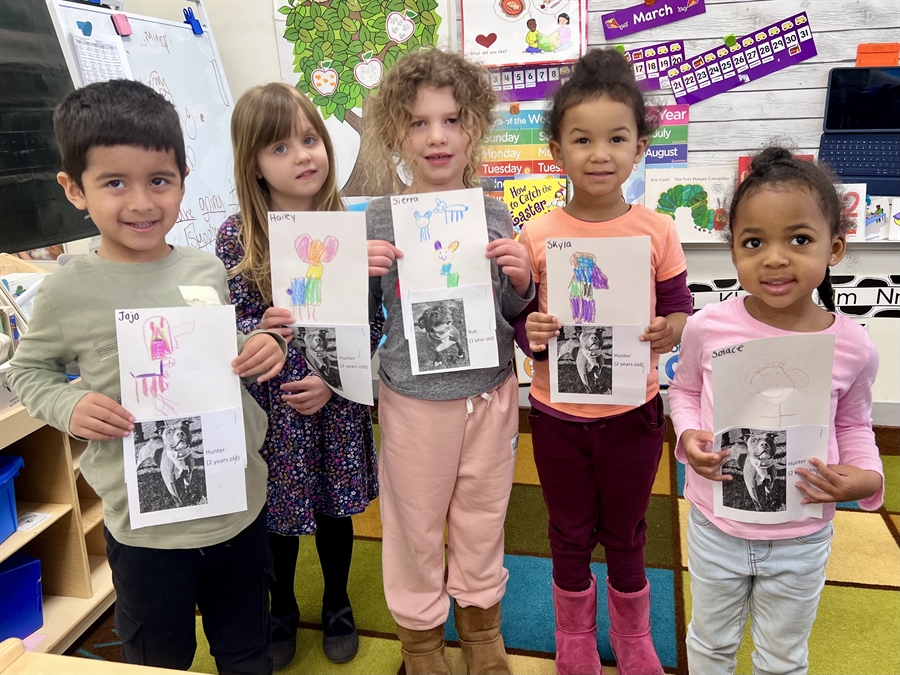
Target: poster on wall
(742,60)
(696,199)
(511,32)
(337,51)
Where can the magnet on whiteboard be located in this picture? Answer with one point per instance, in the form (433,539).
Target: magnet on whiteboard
(120,21)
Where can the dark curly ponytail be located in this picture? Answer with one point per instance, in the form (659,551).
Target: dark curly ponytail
(776,166)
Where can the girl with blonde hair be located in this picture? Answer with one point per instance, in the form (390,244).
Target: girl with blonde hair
(320,447)
(448,440)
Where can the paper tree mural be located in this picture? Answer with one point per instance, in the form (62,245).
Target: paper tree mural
(343,47)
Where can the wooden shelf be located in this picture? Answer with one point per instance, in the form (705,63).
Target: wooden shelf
(78,448)
(15,424)
(91,513)
(19,538)
(65,618)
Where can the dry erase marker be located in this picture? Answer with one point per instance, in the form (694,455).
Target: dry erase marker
(15,330)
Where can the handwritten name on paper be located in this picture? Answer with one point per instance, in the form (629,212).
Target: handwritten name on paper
(735,349)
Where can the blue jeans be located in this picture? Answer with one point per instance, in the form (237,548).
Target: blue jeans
(779,582)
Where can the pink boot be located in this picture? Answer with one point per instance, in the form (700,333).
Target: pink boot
(576,631)
(629,632)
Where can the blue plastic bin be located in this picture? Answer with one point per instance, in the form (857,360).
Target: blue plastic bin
(21,609)
(9,469)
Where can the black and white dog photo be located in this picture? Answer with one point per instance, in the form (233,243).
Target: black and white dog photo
(319,348)
(441,338)
(170,461)
(758,470)
(584,360)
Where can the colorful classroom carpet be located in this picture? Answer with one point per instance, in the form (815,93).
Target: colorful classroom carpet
(856,630)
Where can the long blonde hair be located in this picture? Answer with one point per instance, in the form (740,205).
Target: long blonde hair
(388,116)
(262,116)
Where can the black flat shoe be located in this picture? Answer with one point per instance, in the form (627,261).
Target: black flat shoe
(284,639)
(340,641)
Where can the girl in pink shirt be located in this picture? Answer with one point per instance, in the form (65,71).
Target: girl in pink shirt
(786,229)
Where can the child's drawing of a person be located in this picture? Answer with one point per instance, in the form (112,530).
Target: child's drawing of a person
(564,32)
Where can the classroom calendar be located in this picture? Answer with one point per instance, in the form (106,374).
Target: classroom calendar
(651,64)
(529,83)
(743,60)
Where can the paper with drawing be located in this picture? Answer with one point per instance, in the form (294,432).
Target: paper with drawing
(773,412)
(320,266)
(341,356)
(187,456)
(599,289)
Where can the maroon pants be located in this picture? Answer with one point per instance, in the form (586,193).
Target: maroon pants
(596,477)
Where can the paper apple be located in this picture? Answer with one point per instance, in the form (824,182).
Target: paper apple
(325,79)
(368,72)
(399,27)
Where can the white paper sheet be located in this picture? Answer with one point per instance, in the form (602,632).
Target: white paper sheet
(696,199)
(443,236)
(176,379)
(773,407)
(600,281)
(320,266)
(451,330)
(101,58)
(341,355)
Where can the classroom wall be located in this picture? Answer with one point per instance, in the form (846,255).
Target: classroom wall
(787,104)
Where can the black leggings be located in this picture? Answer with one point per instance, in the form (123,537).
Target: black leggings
(334,543)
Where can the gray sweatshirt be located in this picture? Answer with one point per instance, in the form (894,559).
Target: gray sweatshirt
(396,370)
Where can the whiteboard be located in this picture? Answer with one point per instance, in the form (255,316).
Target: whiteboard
(187,70)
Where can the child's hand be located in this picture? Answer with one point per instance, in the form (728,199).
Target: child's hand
(540,328)
(704,463)
(97,417)
(261,354)
(381,256)
(512,258)
(660,335)
(837,483)
(274,320)
(306,396)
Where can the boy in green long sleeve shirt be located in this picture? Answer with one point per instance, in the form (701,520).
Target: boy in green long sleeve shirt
(124,162)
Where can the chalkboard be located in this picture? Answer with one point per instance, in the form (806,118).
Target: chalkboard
(33,80)
(187,70)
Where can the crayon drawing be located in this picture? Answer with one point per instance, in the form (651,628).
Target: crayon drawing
(445,257)
(452,213)
(306,291)
(423,220)
(586,276)
(161,344)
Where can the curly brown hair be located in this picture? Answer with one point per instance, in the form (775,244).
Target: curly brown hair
(387,113)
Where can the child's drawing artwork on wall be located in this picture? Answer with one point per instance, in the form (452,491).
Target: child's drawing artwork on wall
(306,291)
(586,277)
(696,199)
(772,416)
(319,265)
(523,31)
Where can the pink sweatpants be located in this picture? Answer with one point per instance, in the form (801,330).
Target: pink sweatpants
(439,465)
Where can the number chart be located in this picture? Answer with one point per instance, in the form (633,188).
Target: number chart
(651,64)
(529,83)
(747,58)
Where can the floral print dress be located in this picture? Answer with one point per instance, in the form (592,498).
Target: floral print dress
(321,463)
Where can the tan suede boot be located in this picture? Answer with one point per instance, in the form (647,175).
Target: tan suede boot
(480,639)
(423,651)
